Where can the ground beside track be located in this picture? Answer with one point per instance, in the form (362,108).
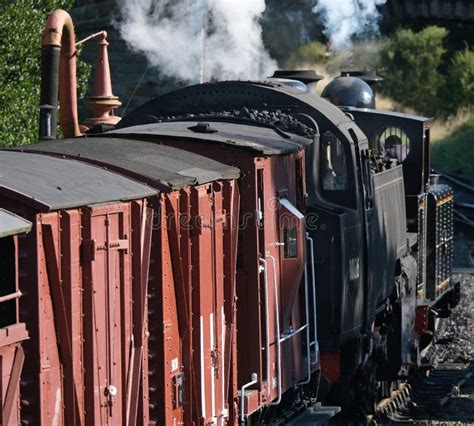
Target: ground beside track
(458,334)
(453,360)
(456,341)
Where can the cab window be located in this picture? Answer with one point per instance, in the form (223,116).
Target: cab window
(290,237)
(335,161)
(395,142)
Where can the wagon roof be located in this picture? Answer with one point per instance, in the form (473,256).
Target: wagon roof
(170,167)
(11,224)
(258,139)
(48,183)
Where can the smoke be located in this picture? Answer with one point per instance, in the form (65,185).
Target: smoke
(198,39)
(344,19)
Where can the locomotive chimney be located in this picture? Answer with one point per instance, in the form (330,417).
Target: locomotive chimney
(308,77)
(58,72)
(102,101)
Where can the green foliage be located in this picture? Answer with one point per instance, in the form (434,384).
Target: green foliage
(21,26)
(456,153)
(362,56)
(410,64)
(460,87)
(311,53)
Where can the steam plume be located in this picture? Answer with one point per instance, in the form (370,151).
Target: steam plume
(344,19)
(176,35)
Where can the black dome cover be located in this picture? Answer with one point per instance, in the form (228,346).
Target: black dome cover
(349,91)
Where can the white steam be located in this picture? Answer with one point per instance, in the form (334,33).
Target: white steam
(198,39)
(344,19)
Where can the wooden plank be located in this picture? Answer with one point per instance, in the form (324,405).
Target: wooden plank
(59,306)
(133,387)
(12,385)
(181,302)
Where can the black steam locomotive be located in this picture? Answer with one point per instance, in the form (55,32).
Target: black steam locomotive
(382,224)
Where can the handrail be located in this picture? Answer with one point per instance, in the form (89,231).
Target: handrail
(10,296)
(308,346)
(278,340)
(254,379)
(294,333)
(267,326)
(282,338)
(313,285)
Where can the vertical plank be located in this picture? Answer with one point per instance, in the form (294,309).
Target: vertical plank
(59,308)
(12,388)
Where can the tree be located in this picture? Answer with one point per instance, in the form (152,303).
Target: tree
(21,26)
(410,64)
(460,85)
(311,53)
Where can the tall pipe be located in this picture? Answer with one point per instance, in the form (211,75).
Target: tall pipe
(58,72)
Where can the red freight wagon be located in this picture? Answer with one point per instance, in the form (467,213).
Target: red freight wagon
(12,331)
(277,344)
(79,272)
(191,360)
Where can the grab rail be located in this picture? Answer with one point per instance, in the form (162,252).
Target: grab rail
(277,321)
(293,333)
(308,346)
(282,338)
(254,380)
(313,285)
(267,327)
(10,296)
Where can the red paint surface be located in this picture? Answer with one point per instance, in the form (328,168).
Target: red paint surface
(330,365)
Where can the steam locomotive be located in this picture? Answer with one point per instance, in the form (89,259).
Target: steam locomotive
(231,252)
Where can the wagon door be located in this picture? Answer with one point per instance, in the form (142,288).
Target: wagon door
(107,312)
(12,332)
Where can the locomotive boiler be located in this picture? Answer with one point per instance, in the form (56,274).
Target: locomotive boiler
(228,253)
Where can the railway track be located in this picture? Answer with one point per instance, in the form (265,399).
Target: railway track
(424,400)
(417,399)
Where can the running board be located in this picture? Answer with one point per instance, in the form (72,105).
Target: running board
(315,415)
